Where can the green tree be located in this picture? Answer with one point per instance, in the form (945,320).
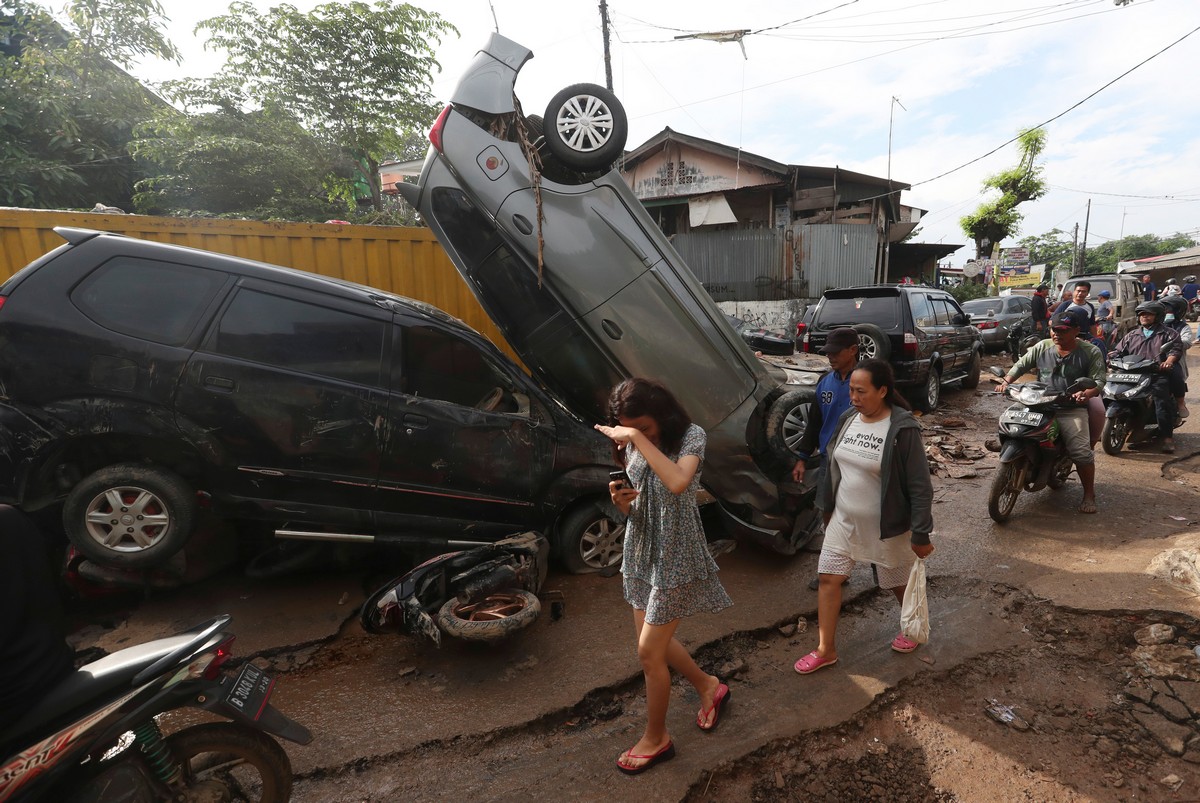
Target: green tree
(353,74)
(1052,249)
(66,106)
(998,218)
(217,158)
(1104,257)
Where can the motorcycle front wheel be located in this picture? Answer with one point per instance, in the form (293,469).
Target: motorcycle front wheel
(226,761)
(1005,490)
(1112,438)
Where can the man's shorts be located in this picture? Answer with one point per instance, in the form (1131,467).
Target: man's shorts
(1073,428)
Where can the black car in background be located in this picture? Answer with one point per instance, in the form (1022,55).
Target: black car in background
(921,331)
(138,375)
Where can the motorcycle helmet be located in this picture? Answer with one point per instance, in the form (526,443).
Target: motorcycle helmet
(1153,307)
(1177,305)
(1189,279)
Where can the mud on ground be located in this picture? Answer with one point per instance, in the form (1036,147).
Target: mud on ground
(1084,722)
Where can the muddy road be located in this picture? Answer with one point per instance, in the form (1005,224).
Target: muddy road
(1039,620)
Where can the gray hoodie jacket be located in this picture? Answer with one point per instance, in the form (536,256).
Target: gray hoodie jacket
(906,492)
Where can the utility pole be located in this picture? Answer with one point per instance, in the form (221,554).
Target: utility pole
(607,57)
(1074,249)
(891,116)
(1083,246)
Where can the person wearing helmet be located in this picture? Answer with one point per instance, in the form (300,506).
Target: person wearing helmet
(1171,288)
(1149,339)
(1190,289)
(1177,308)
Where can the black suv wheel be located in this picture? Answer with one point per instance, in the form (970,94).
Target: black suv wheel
(130,516)
(589,539)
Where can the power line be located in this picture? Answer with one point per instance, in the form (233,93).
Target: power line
(1063,113)
(1173,197)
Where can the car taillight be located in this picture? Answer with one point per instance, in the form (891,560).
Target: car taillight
(2,298)
(987,325)
(435,133)
(910,346)
(800,327)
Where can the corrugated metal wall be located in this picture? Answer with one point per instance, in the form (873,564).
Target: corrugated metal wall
(740,265)
(406,261)
(837,255)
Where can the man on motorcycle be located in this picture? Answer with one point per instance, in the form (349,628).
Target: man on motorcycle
(1152,340)
(1058,362)
(1176,319)
(1190,288)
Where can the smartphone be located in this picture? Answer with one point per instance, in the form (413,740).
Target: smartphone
(621,478)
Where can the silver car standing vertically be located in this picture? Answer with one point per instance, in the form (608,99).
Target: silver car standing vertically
(588,290)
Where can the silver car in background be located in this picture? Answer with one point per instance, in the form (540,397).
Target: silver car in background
(996,317)
(588,290)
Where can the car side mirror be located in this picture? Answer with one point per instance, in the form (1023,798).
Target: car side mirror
(962,319)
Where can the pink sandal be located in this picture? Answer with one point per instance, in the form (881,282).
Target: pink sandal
(722,696)
(812,662)
(902,643)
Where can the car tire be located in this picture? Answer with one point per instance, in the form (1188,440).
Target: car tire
(119,498)
(929,394)
(492,619)
(588,540)
(585,127)
(974,368)
(786,422)
(873,344)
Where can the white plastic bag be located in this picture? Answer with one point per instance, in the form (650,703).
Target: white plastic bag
(914,611)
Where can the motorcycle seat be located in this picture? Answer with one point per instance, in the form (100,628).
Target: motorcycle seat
(99,680)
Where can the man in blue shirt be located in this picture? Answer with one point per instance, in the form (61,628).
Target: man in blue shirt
(1149,291)
(1190,288)
(833,398)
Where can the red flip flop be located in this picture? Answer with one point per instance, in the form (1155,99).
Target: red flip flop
(812,662)
(666,753)
(722,696)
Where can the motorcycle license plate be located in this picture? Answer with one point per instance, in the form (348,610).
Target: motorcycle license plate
(1021,417)
(1125,379)
(251,691)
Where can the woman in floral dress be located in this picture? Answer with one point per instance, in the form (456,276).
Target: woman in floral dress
(668,571)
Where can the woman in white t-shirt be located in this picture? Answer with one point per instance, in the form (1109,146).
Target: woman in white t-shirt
(877,499)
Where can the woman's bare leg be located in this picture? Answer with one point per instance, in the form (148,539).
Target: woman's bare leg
(829,608)
(653,643)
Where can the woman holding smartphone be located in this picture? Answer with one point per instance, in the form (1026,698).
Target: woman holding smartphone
(667,569)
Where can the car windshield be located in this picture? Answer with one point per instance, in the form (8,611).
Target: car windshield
(879,310)
(982,306)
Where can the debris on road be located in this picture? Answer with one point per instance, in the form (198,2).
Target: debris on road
(1006,716)
(1157,633)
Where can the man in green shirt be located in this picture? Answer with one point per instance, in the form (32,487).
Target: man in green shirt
(1058,362)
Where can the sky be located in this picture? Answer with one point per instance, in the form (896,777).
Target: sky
(830,82)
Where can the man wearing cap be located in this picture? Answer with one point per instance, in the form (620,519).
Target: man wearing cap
(833,398)
(1058,362)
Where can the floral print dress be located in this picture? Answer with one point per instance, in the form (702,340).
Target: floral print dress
(667,569)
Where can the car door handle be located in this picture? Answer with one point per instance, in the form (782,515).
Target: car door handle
(611,329)
(413,421)
(220,383)
(522,223)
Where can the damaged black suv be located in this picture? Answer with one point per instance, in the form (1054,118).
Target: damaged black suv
(137,377)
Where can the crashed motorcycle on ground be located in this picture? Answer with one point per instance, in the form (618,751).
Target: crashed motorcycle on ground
(95,736)
(1033,454)
(482,594)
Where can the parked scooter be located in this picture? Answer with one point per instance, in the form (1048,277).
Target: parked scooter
(1129,400)
(1032,453)
(95,736)
(483,594)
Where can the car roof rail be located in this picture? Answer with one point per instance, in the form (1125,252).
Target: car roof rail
(76,236)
